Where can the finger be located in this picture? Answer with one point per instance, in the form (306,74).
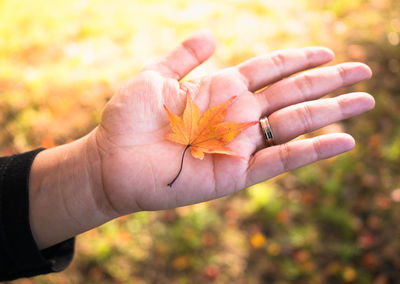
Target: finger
(266,69)
(191,53)
(292,121)
(275,160)
(311,85)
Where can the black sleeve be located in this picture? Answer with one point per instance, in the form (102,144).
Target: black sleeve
(19,254)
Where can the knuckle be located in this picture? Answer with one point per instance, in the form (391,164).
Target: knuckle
(174,72)
(316,143)
(308,56)
(341,104)
(305,86)
(284,156)
(342,74)
(305,115)
(192,51)
(279,61)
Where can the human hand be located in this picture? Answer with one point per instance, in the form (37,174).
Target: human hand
(137,162)
(125,164)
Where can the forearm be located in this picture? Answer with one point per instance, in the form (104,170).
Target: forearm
(65,193)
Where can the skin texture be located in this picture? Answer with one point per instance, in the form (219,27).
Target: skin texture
(125,164)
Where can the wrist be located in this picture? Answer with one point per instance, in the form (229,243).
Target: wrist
(66,193)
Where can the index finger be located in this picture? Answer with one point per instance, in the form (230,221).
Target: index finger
(266,69)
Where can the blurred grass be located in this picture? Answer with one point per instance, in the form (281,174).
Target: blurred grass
(333,222)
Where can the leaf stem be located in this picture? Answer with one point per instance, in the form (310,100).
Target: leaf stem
(183,156)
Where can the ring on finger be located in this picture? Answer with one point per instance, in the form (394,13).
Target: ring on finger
(266,129)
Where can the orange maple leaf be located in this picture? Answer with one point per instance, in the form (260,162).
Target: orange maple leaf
(204,134)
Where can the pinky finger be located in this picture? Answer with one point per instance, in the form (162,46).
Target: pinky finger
(275,160)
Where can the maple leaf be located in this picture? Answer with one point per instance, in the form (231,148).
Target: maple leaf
(204,134)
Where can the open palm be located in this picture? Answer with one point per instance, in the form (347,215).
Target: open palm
(137,162)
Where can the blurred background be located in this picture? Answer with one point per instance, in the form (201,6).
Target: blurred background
(333,222)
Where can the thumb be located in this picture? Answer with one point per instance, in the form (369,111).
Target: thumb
(187,56)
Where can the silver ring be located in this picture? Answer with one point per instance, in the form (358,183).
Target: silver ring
(266,128)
